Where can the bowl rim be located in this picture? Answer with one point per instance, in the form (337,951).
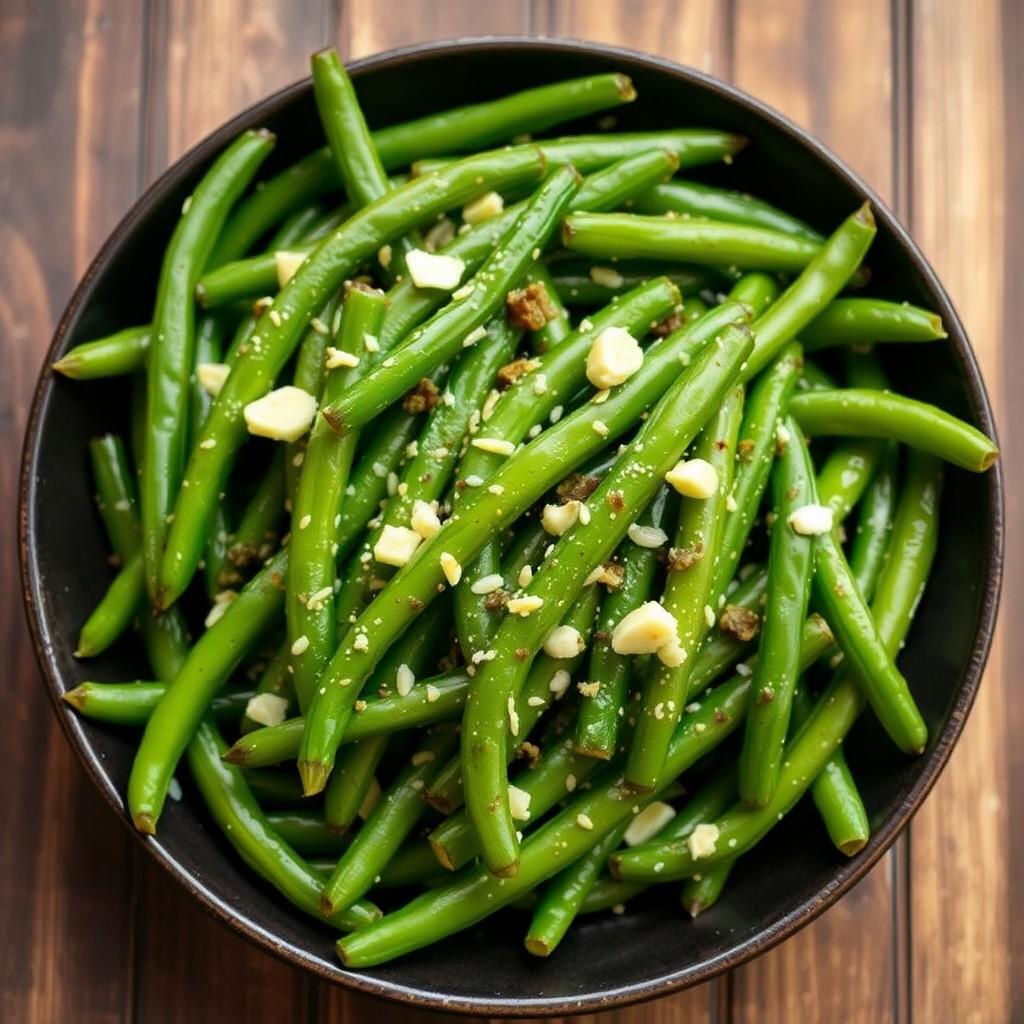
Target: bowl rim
(847,873)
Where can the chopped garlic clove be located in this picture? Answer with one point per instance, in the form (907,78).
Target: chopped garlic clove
(613,358)
(211,377)
(644,630)
(556,519)
(283,415)
(429,270)
(811,520)
(563,642)
(287,263)
(396,545)
(695,478)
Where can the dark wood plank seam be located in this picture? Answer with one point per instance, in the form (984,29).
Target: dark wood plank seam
(902,200)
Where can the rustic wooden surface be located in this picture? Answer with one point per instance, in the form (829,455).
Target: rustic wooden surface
(921,96)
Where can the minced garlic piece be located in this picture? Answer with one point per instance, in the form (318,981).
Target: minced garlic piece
(672,654)
(607,277)
(266,708)
(648,823)
(336,357)
(563,642)
(282,415)
(701,841)
(404,679)
(556,519)
(811,520)
(424,519)
(525,605)
(647,536)
(429,270)
(613,358)
(287,263)
(489,205)
(583,820)
(519,803)
(488,584)
(211,377)
(451,568)
(494,445)
(301,645)
(644,630)
(396,545)
(694,478)
(525,576)
(560,683)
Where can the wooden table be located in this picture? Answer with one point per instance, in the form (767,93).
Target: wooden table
(923,97)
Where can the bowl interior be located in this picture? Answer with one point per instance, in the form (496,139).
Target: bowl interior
(608,959)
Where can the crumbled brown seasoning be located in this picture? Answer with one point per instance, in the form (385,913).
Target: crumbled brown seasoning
(745,450)
(422,398)
(740,623)
(577,487)
(530,307)
(681,559)
(529,752)
(667,326)
(511,372)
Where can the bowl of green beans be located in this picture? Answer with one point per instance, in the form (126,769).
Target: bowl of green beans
(520,556)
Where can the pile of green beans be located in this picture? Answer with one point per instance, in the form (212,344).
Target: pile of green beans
(495,515)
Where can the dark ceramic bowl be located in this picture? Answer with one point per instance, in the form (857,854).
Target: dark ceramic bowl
(605,961)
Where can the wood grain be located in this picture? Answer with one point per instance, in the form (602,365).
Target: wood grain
(920,96)
(841,91)
(67,865)
(959,853)
(205,62)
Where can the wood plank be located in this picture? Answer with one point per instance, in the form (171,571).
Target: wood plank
(366,27)
(695,32)
(68,111)
(960,843)
(1010,373)
(205,63)
(827,66)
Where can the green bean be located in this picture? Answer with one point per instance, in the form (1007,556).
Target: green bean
(594,813)
(814,289)
(704,242)
(132,703)
(391,821)
(533,398)
(281,326)
(243,279)
(539,690)
(814,378)
(863,648)
(693,147)
(522,479)
(623,492)
(687,596)
(413,864)
(164,636)
(693,199)
(274,788)
(308,833)
(257,533)
(577,288)
(755,454)
(115,494)
(849,321)
(434,700)
(867,413)
(171,355)
(790,564)
(463,128)
(309,375)
(385,449)
(564,895)
(112,356)
(312,568)
(276,680)
(756,290)
(610,894)
(427,473)
(208,350)
(871,539)
(914,541)
(597,726)
(701,892)
(446,332)
(351,145)
(243,823)
(115,610)
(208,664)
(298,226)
(353,781)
